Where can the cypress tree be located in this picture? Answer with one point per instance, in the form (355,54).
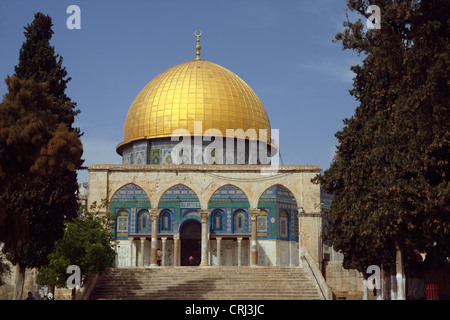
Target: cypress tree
(38,61)
(390,173)
(40,152)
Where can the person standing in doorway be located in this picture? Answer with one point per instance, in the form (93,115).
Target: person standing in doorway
(159,256)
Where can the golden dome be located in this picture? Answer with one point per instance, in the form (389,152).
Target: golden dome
(195,90)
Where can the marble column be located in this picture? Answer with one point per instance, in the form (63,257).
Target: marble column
(219,249)
(132,252)
(142,253)
(176,249)
(204,215)
(163,248)
(254,240)
(239,240)
(154,214)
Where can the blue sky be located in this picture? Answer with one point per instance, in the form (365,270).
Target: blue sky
(282,49)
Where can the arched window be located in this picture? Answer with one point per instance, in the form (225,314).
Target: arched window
(165,222)
(216,222)
(144,222)
(239,221)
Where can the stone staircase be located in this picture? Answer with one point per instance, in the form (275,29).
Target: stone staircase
(206,283)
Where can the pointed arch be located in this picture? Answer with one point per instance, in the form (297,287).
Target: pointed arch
(179,193)
(212,191)
(130,192)
(281,207)
(228,191)
(278,189)
(129,201)
(176,201)
(231,205)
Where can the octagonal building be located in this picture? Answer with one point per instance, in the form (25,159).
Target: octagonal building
(200,178)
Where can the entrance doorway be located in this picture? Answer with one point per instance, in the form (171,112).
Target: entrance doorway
(190,236)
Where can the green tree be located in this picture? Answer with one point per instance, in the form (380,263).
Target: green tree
(38,61)
(40,152)
(86,243)
(390,173)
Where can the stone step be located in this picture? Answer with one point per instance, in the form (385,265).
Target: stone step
(168,276)
(203,293)
(199,277)
(202,283)
(212,285)
(215,284)
(217,279)
(206,269)
(131,278)
(187,286)
(218,296)
(221,297)
(143,297)
(269,276)
(210,297)
(237,296)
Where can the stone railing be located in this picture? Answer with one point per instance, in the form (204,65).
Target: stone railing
(87,287)
(309,262)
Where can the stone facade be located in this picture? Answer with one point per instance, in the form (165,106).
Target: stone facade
(295,224)
(343,282)
(7,289)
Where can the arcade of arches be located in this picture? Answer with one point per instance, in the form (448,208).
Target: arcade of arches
(219,215)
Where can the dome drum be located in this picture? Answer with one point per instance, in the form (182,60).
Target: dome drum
(162,151)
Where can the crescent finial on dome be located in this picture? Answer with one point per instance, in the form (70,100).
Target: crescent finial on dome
(198,34)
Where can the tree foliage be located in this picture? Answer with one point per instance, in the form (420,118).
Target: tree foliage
(86,243)
(38,61)
(35,153)
(390,173)
(39,151)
